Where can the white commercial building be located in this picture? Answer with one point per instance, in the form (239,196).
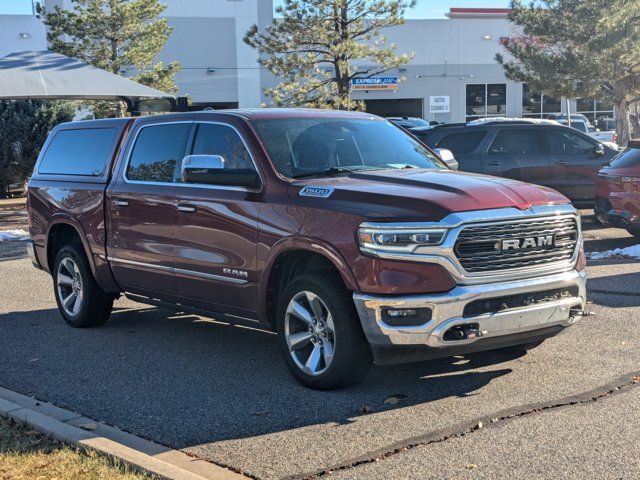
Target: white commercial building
(452,77)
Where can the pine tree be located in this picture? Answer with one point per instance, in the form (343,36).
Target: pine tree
(24,127)
(319,46)
(115,35)
(579,49)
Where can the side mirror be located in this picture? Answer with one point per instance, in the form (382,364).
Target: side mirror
(598,149)
(210,170)
(447,157)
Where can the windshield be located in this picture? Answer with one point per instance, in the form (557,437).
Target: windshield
(301,147)
(627,158)
(419,122)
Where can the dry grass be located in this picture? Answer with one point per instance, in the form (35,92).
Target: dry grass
(13,202)
(29,455)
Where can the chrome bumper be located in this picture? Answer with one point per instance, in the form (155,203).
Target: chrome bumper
(447,311)
(31,252)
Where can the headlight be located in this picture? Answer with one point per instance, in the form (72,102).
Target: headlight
(405,240)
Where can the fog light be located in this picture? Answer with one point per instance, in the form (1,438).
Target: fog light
(405,317)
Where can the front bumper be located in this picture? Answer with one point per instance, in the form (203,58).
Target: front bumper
(615,217)
(33,256)
(392,344)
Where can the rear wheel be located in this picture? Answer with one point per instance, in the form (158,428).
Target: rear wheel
(320,334)
(81,302)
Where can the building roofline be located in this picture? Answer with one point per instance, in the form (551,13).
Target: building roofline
(457,12)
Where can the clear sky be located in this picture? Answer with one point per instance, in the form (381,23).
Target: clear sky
(15,7)
(425,8)
(437,8)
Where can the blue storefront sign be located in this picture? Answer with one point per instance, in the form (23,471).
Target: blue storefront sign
(375,83)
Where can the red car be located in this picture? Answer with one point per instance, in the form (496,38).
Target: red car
(618,191)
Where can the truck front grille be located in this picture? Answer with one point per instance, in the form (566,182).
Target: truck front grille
(517,244)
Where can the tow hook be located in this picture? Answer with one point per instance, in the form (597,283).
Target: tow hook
(464,332)
(576,313)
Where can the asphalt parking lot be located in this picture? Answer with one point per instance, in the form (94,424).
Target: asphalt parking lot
(568,409)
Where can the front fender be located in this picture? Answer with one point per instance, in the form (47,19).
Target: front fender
(307,244)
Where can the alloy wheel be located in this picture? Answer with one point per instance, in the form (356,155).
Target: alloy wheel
(69,284)
(310,333)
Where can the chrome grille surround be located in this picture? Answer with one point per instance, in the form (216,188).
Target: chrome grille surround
(445,253)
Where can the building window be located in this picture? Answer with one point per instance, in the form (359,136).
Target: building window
(594,109)
(486,100)
(537,104)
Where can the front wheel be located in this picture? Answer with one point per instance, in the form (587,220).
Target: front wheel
(81,302)
(320,334)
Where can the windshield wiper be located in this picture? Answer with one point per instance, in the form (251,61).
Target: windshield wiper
(329,172)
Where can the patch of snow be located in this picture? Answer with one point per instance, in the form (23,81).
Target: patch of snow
(13,235)
(631,252)
(535,121)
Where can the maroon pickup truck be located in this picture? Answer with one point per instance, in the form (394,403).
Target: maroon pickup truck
(345,235)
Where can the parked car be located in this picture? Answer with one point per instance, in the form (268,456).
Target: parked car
(606,124)
(618,193)
(531,150)
(337,230)
(17,189)
(608,137)
(561,117)
(445,155)
(409,122)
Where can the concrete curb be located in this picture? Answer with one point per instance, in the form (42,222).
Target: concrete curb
(66,426)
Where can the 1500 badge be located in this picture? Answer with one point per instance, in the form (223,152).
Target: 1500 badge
(319,192)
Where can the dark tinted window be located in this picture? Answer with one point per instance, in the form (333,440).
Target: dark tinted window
(516,142)
(629,158)
(565,142)
(78,152)
(427,136)
(462,142)
(222,140)
(157,151)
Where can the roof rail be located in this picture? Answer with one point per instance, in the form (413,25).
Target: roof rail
(449,125)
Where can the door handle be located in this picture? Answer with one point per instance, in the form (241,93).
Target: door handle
(494,163)
(561,162)
(120,203)
(187,208)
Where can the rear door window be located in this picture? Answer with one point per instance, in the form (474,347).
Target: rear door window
(460,143)
(516,142)
(629,158)
(78,152)
(157,151)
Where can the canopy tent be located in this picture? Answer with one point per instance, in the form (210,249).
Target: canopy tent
(49,75)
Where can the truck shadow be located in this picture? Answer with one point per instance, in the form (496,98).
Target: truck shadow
(183,380)
(620,290)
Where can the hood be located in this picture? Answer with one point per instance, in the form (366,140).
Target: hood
(419,195)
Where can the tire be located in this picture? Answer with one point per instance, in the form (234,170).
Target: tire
(72,276)
(341,354)
(519,350)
